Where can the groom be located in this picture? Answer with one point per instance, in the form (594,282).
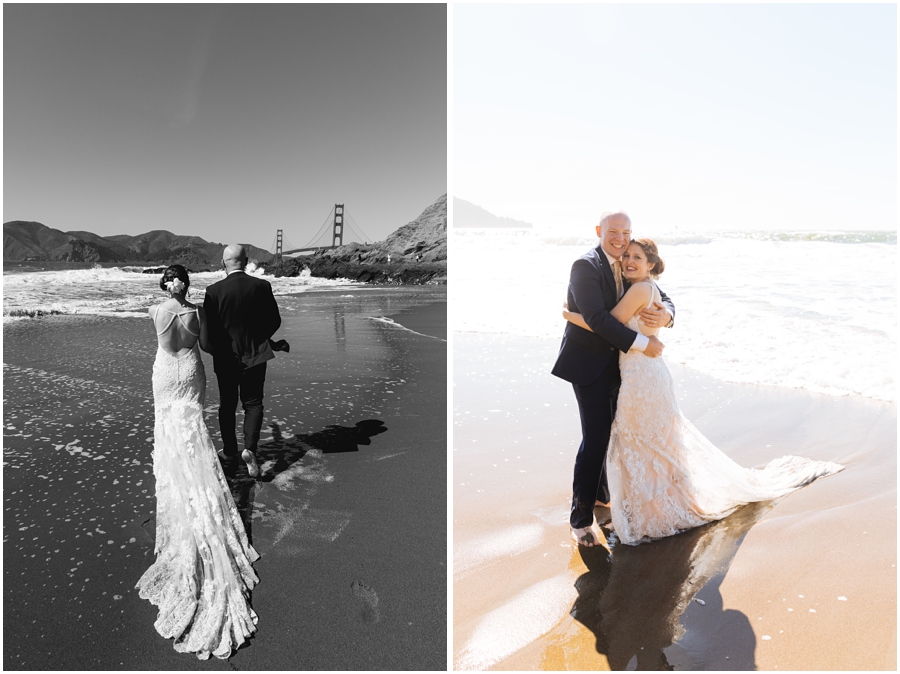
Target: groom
(590,361)
(241,316)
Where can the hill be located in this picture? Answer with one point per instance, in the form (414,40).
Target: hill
(24,240)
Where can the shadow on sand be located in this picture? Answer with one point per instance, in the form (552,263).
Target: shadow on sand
(280,453)
(632,599)
(285,452)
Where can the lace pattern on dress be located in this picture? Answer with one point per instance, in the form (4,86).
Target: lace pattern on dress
(203,572)
(664,476)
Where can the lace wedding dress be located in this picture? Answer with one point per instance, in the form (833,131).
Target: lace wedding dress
(664,475)
(202,576)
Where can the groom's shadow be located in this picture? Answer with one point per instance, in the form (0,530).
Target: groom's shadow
(280,453)
(632,599)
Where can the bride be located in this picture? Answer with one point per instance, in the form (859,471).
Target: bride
(202,576)
(664,475)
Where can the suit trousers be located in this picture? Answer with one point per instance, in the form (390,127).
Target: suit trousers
(237,381)
(597,407)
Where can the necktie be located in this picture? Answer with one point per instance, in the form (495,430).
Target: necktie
(617,273)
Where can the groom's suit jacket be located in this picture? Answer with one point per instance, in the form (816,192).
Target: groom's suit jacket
(241,315)
(584,355)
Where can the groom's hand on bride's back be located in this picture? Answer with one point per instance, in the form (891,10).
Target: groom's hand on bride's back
(654,348)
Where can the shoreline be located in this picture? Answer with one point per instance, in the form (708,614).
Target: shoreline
(430,319)
(347,451)
(519,579)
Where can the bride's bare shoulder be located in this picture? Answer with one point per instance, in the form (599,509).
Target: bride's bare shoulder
(642,290)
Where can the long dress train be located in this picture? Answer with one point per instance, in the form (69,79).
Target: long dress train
(665,476)
(202,575)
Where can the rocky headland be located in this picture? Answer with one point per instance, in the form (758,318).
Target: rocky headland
(467,214)
(414,254)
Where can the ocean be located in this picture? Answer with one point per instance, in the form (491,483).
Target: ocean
(810,310)
(61,288)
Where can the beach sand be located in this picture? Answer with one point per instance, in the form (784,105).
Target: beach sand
(353,457)
(807,582)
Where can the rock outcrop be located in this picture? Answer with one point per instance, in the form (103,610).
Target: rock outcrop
(414,254)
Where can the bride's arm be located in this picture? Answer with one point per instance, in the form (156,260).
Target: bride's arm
(631,303)
(204,330)
(572,317)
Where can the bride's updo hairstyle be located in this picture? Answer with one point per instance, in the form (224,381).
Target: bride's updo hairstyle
(172,272)
(653,258)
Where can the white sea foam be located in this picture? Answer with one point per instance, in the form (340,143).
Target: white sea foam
(384,320)
(497,544)
(122,291)
(812,310)
(518,622)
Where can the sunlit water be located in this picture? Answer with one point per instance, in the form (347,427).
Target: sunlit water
(811,310)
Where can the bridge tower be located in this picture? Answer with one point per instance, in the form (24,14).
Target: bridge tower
(338,233)
(279,245)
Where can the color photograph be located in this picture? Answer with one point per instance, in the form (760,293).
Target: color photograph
(225,337)
(674,337)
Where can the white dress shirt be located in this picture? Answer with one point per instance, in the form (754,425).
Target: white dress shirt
(640,341)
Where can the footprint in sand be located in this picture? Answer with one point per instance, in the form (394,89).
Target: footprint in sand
(367,596)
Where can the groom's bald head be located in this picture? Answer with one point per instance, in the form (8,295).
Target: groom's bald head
(234,257)
(614,232)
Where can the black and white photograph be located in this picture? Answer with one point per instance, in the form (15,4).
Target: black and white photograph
(225,337)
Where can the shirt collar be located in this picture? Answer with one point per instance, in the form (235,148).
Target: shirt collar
(234,271)
(609,257)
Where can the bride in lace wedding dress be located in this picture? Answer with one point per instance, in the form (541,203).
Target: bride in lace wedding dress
(203,572)
(664,475)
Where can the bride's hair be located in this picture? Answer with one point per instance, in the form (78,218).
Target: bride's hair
(650,250)
(172,272)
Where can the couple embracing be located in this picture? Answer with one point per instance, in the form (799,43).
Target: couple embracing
(203,572)
(639,455)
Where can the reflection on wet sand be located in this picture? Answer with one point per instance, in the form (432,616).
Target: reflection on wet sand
(632,598)
(340,329)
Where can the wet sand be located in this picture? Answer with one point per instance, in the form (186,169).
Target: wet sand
(804,583)
(430,319)
(353,453)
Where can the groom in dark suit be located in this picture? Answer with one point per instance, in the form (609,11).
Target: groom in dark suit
(590,361)
(241,315)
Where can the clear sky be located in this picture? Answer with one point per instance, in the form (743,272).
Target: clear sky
(223,121)
(703,117)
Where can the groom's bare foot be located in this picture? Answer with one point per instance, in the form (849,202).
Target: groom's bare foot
(585,537)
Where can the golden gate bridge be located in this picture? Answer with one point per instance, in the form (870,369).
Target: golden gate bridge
(335,233)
